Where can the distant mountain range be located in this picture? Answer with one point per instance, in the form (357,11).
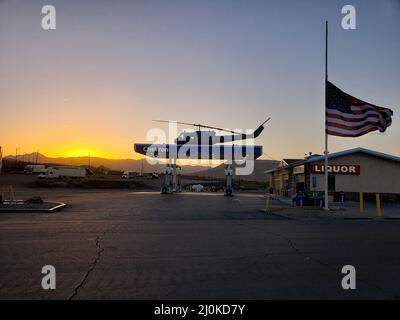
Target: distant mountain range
(113,164)
(142,165)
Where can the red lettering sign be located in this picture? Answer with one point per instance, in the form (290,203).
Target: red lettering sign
(336,169)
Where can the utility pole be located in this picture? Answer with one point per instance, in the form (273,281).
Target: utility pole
(16,157)
(1,159)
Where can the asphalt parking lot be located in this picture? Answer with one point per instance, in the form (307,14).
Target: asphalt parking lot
(143,245)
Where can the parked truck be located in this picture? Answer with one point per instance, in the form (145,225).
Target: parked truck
(63,172)
(34,169)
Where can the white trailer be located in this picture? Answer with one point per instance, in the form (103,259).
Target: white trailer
(34,169)
(63,172)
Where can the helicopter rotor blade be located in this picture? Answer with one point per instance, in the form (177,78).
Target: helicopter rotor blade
(167,121)
(221,129)
(185,123)
(200,126)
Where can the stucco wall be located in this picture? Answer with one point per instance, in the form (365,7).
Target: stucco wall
(377,175)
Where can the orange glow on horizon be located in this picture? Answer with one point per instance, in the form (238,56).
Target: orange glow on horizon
(82,152)
(74,153)
(93,153)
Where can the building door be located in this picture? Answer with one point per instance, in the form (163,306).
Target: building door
(300,187)
(331,183)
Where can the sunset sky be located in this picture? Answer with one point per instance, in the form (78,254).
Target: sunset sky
(95,83)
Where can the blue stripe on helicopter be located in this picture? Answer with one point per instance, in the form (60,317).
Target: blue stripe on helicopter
(215,152)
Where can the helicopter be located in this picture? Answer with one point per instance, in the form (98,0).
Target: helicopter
(202,145)
(201,137)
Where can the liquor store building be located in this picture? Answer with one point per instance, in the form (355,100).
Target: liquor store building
(350,171)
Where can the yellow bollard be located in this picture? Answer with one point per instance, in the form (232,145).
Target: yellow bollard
(378,207)
(361,203)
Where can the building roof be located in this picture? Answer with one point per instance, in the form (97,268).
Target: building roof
(313,159)
(289,161)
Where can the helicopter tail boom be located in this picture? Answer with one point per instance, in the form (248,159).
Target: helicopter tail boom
(258,131)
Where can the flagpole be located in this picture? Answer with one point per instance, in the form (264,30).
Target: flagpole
(326,134)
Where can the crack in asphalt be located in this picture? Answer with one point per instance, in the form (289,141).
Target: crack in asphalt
(316,260)
(92,266)
(322,263)
(267,254)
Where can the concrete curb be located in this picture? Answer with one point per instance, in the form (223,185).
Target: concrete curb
(57,206)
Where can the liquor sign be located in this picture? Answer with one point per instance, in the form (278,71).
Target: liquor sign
(336,169)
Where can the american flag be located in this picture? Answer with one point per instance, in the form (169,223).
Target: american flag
(347,116)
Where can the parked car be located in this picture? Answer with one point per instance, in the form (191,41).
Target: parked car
(197,188)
